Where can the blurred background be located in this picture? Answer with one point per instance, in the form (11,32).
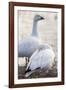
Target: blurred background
(47,30)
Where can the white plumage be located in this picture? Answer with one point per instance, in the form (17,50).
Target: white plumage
(27,46)
(43,57)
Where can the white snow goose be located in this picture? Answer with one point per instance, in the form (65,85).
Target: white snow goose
(42,58)
(27,46)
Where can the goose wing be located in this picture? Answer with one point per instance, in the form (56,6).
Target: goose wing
(42,59)
(31,59)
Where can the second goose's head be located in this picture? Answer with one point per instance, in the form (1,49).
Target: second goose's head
(38,18)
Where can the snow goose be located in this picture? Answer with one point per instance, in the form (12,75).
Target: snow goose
(42,58)
(27,46)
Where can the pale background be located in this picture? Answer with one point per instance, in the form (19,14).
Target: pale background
(47,28)
(4,45)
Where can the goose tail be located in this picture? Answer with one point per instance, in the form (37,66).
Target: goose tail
(28,73)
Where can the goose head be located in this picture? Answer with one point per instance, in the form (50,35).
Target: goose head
(38,18)
(43,47)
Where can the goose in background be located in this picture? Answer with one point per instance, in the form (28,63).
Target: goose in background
(27,46)
(42,58)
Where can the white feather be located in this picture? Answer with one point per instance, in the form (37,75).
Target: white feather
(28,46)
(43,57)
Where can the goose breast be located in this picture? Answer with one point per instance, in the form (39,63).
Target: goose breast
(27,46)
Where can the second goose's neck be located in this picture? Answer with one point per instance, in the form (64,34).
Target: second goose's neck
(34,30)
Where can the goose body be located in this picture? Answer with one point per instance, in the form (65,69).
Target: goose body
(43,57)
(27,46)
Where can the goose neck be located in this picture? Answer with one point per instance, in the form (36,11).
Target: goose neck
(34,30)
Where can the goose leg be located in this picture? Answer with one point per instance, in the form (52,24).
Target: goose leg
(26,61)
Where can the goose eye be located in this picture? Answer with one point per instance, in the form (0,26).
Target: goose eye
(42,18)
